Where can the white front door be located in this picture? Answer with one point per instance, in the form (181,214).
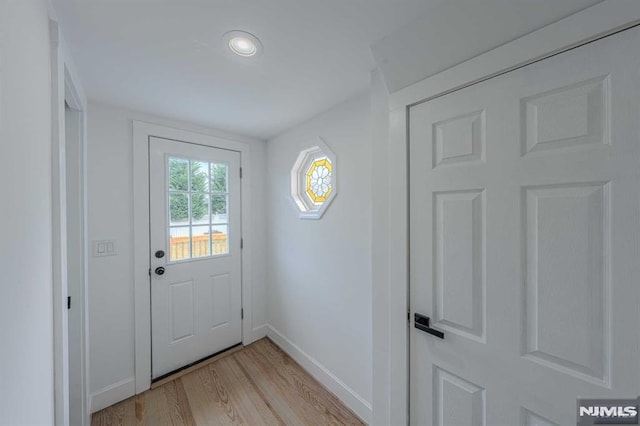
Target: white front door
(195,252)
(525,241)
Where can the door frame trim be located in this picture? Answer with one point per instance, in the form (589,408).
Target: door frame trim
(66,86)
(391,383)
(142,290)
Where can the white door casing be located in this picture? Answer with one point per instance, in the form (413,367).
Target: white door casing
(142,133)
(524,239)
(196,301)
(76,261)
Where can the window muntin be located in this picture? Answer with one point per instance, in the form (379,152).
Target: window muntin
(197,209)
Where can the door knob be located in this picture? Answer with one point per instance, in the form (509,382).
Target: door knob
(422,323)
(159,270)
(160,254)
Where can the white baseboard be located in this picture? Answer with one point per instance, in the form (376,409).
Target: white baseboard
(87,415)
(259,332)
(347,395)
(112,394)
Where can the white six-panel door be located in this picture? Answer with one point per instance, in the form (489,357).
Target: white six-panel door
(195,252)
(525,237)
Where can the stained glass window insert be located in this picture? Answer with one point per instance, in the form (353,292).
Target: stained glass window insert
(314,180)
(318,180)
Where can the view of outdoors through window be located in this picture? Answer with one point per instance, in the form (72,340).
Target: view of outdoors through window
(198,200)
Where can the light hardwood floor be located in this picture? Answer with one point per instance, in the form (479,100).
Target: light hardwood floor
(257,385)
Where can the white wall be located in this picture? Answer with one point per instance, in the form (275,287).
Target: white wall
(26,333)
(110,216)
(319,271)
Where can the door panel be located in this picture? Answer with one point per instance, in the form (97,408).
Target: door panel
(221,299)
(459,285)
(457,400)
(566,116)
(564,323)
(195,237)
(181,311)
(525,235)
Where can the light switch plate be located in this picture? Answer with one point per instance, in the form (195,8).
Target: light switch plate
(101,248)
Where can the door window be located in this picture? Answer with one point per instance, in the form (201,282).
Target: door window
(198,219)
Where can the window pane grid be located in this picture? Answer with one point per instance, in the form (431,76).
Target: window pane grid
(177,191)
(186,226)
(198,209)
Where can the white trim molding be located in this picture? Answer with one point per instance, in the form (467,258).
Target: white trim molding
(59,223)
(260,332)
(598,21)
(66,88)
(298,180)
(118,391)
(141,133)
(322,374)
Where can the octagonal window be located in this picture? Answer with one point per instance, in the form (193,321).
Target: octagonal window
(318,186)
(313,180)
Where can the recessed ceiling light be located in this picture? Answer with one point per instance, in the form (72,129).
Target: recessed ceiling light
(242,46)
(243,43)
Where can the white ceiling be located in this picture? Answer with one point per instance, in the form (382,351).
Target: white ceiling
(166,57)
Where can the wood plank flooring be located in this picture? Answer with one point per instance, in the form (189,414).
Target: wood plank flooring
(258,385)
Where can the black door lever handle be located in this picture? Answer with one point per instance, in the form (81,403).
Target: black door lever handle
(421,322)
